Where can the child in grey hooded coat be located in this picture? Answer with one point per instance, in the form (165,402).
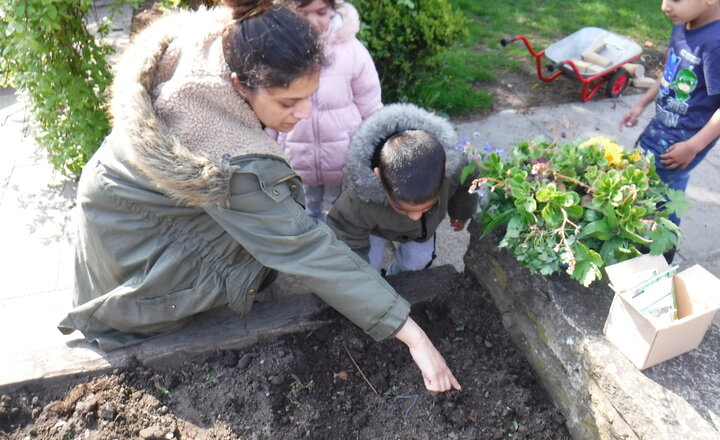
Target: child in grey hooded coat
(366,216)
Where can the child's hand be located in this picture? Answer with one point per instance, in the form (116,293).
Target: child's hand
(457,225)
(678,155)
(630,119)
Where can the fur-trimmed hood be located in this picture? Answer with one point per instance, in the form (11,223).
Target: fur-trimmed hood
(376,130)
(175,112)
(344,25)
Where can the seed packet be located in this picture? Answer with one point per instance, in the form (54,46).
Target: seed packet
(655,296)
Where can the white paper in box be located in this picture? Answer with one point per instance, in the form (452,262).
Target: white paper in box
(645,341)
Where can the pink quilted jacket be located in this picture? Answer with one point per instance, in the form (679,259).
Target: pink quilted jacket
(349,92)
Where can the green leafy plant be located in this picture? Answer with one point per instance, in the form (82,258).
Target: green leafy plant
(577,207)
(404,37)
(166,392)
(391,392)
(49,55)
(514,428)
(296,388)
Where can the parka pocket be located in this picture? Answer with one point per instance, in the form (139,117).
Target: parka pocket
(173,289)
(242,285)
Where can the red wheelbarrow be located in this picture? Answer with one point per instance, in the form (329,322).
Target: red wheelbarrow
(592,55)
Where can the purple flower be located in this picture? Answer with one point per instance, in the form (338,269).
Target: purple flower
(462,143)
(489,149)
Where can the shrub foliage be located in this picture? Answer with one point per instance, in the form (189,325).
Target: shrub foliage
(405,37)
(49,54)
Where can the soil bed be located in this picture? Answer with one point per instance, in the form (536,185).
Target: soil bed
(315,385)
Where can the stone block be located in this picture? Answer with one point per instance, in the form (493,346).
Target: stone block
(558,324)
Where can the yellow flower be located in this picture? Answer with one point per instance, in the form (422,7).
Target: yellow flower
(597,140)
(611,150)
(636,155)
(613,153)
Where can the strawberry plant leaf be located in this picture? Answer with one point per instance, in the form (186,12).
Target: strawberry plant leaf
(676,203)
(662,240)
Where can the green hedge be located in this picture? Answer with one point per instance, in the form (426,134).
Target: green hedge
(48,54)
(405,38)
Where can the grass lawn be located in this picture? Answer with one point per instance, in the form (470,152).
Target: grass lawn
(479,57)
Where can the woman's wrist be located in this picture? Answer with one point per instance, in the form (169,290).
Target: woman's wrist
(411,334)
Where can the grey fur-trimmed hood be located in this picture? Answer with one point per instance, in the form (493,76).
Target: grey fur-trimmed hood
(175,113)
(376,129)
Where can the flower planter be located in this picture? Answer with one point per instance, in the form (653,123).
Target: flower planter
(557,324)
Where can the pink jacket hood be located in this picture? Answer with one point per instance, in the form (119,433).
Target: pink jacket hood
(349,92)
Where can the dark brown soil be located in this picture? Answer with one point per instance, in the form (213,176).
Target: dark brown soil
(333,383)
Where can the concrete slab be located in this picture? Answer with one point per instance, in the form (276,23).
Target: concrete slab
(121,20)
(35,202)
(7,97)
(702,223)
(503,129)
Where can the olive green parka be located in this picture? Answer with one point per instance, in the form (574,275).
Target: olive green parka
(188,203)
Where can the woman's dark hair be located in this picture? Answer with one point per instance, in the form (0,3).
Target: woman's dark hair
(303,3)
(412,166)
(268,45)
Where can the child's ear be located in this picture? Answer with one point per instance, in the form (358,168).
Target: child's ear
(376,170)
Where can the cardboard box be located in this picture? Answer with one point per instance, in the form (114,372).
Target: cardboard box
(645,341)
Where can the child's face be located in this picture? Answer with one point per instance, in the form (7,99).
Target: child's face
(413,211)
(693,13)
(318,13)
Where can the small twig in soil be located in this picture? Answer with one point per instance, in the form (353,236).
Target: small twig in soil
(414,397)
(361,372)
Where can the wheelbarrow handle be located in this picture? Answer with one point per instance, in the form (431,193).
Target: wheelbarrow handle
(509,40)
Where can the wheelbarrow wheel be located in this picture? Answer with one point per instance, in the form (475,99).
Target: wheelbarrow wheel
(618,82)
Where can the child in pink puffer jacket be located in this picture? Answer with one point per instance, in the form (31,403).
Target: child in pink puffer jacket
(349,92)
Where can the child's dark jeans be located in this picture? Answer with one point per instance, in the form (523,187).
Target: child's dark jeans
(675,178)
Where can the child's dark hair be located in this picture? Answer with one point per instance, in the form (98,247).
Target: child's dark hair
(268,45)
(412,166)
